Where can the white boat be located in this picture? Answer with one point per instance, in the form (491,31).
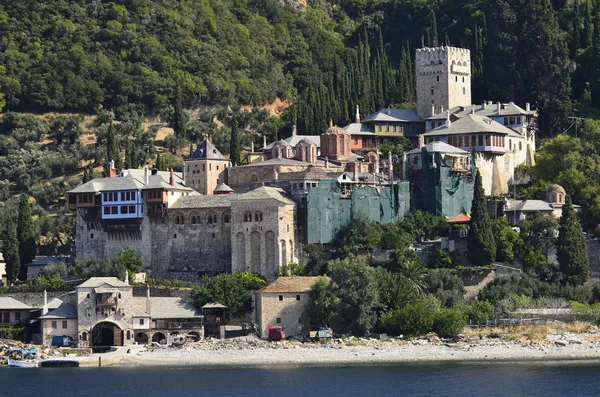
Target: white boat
(23,363)
(21,358)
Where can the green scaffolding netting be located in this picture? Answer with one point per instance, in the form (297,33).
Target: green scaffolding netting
(445,192)
(329,208)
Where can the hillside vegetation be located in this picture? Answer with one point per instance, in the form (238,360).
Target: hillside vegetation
(74,73)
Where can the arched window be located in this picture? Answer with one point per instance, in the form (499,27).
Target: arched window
(128,334)
(211,219)
(226,217)
(258,216)
(84,336)
(247,217)
(254,178)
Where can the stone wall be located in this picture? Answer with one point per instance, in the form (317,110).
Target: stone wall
(443,77)
(262,246)
(205,175)
(289,310)
(36,299)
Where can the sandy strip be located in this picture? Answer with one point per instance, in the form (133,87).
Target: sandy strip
(356,355)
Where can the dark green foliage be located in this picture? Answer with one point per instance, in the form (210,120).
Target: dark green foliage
(414,318)
(424,225)
(479,311)
(10,250)
(113,153)
(356,288)
(442,259)
(179,118)
(481,243)
(530,286)
(445,285)
(25,235)
(131,262)
(571,248)
(321,307)
(449,322)
(235,150)
(231,290)
(505,238)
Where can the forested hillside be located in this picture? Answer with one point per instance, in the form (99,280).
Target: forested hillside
(84,80)
(59,55)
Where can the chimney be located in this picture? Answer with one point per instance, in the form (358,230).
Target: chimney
(420,141)
(528,106)
(472,110)
(330,123)
(146,176)
(448,121)
(154,170)
(390,168)
(252,147)
(442,109)
(148,306)
(326,162)
(112,172)
(45,307)
(432,109)
(172,178)
(404,165)
(499,105)
(264,141)
(294,130)
(484,106)
(126,279)
(357,118)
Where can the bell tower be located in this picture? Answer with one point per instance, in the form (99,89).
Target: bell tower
(443,79)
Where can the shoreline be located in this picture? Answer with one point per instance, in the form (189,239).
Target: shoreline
(318,356)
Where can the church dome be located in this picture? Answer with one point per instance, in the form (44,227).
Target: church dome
(556,189)
(335,130)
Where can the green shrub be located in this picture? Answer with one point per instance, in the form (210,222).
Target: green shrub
(479,311)
(449,322)
(413,319)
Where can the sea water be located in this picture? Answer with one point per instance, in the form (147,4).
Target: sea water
(441,379)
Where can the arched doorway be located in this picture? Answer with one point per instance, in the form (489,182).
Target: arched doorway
(141,338)
(160,338)
(106,334)
(193,336)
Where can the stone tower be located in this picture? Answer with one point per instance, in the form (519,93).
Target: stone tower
(443,79)
(205,169)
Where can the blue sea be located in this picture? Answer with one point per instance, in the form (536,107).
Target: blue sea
(442,379)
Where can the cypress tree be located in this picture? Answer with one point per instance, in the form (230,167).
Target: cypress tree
(234,145)
(159,162)
(576,31)
(179,122)
(86,176)
(112,151)
(480,240)
(433,29)
(127,156)
(588,26)
(10,250)
(25,235)
(571,248)
(595,75)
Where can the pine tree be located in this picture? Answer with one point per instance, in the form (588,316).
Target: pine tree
(571,248)
(10,250)
(433,29)
(234,148)
(480,240)
(26,235)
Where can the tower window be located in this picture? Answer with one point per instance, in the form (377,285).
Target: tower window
(464,90)
(438,78)
(431,90)
(463,79)
(456,78)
